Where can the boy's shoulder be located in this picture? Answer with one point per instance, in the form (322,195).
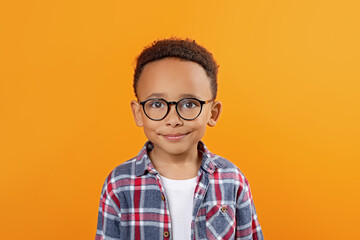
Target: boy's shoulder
(135,166)
(227,168)
(220,163)
(125,168)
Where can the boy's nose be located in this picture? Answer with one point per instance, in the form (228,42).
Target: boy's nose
(173,119)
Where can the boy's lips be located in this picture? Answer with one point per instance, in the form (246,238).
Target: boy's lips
(174,136)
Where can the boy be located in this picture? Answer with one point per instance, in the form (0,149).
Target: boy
(176,188)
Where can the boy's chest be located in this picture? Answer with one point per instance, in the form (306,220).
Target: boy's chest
(213,213)
(146,194)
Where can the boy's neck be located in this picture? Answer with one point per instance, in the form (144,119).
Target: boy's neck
(178,167)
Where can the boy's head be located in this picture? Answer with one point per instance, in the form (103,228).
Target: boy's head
(182,49)
(176,96)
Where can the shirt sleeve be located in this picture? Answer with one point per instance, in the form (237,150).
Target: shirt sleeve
(247,223)
(109,213)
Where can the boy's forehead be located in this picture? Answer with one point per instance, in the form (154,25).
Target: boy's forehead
(167,95)
(173,78)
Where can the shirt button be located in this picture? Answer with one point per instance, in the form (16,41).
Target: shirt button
(166,234)
(162,197)
(223,209)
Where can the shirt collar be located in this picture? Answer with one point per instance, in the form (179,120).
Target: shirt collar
(144,164)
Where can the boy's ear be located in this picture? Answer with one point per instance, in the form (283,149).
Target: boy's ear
(136,111)
(215,113)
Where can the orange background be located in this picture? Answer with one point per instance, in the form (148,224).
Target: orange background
(288,79)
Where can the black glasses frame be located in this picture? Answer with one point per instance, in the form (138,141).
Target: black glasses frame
(176,107)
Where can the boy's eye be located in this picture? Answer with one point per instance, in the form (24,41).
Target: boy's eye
(189,103)
(156,104)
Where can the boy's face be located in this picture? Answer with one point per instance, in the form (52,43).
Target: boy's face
(173,79)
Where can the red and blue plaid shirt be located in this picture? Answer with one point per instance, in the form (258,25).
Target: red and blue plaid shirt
(134,205)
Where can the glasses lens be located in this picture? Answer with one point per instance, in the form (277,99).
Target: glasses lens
(189,108)
(155,108)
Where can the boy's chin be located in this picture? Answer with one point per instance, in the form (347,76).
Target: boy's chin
(174,148)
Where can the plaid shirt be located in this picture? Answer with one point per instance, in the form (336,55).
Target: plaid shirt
(134,205)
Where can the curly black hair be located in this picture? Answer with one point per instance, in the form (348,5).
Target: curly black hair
(183,49)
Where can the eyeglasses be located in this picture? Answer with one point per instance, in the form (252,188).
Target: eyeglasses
(188,108)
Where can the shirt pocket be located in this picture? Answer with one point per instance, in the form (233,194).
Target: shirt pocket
(220,222)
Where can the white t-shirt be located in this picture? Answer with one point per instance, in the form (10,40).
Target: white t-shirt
(180,196)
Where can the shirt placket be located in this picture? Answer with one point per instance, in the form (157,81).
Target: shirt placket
(166,218)
(199,195)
